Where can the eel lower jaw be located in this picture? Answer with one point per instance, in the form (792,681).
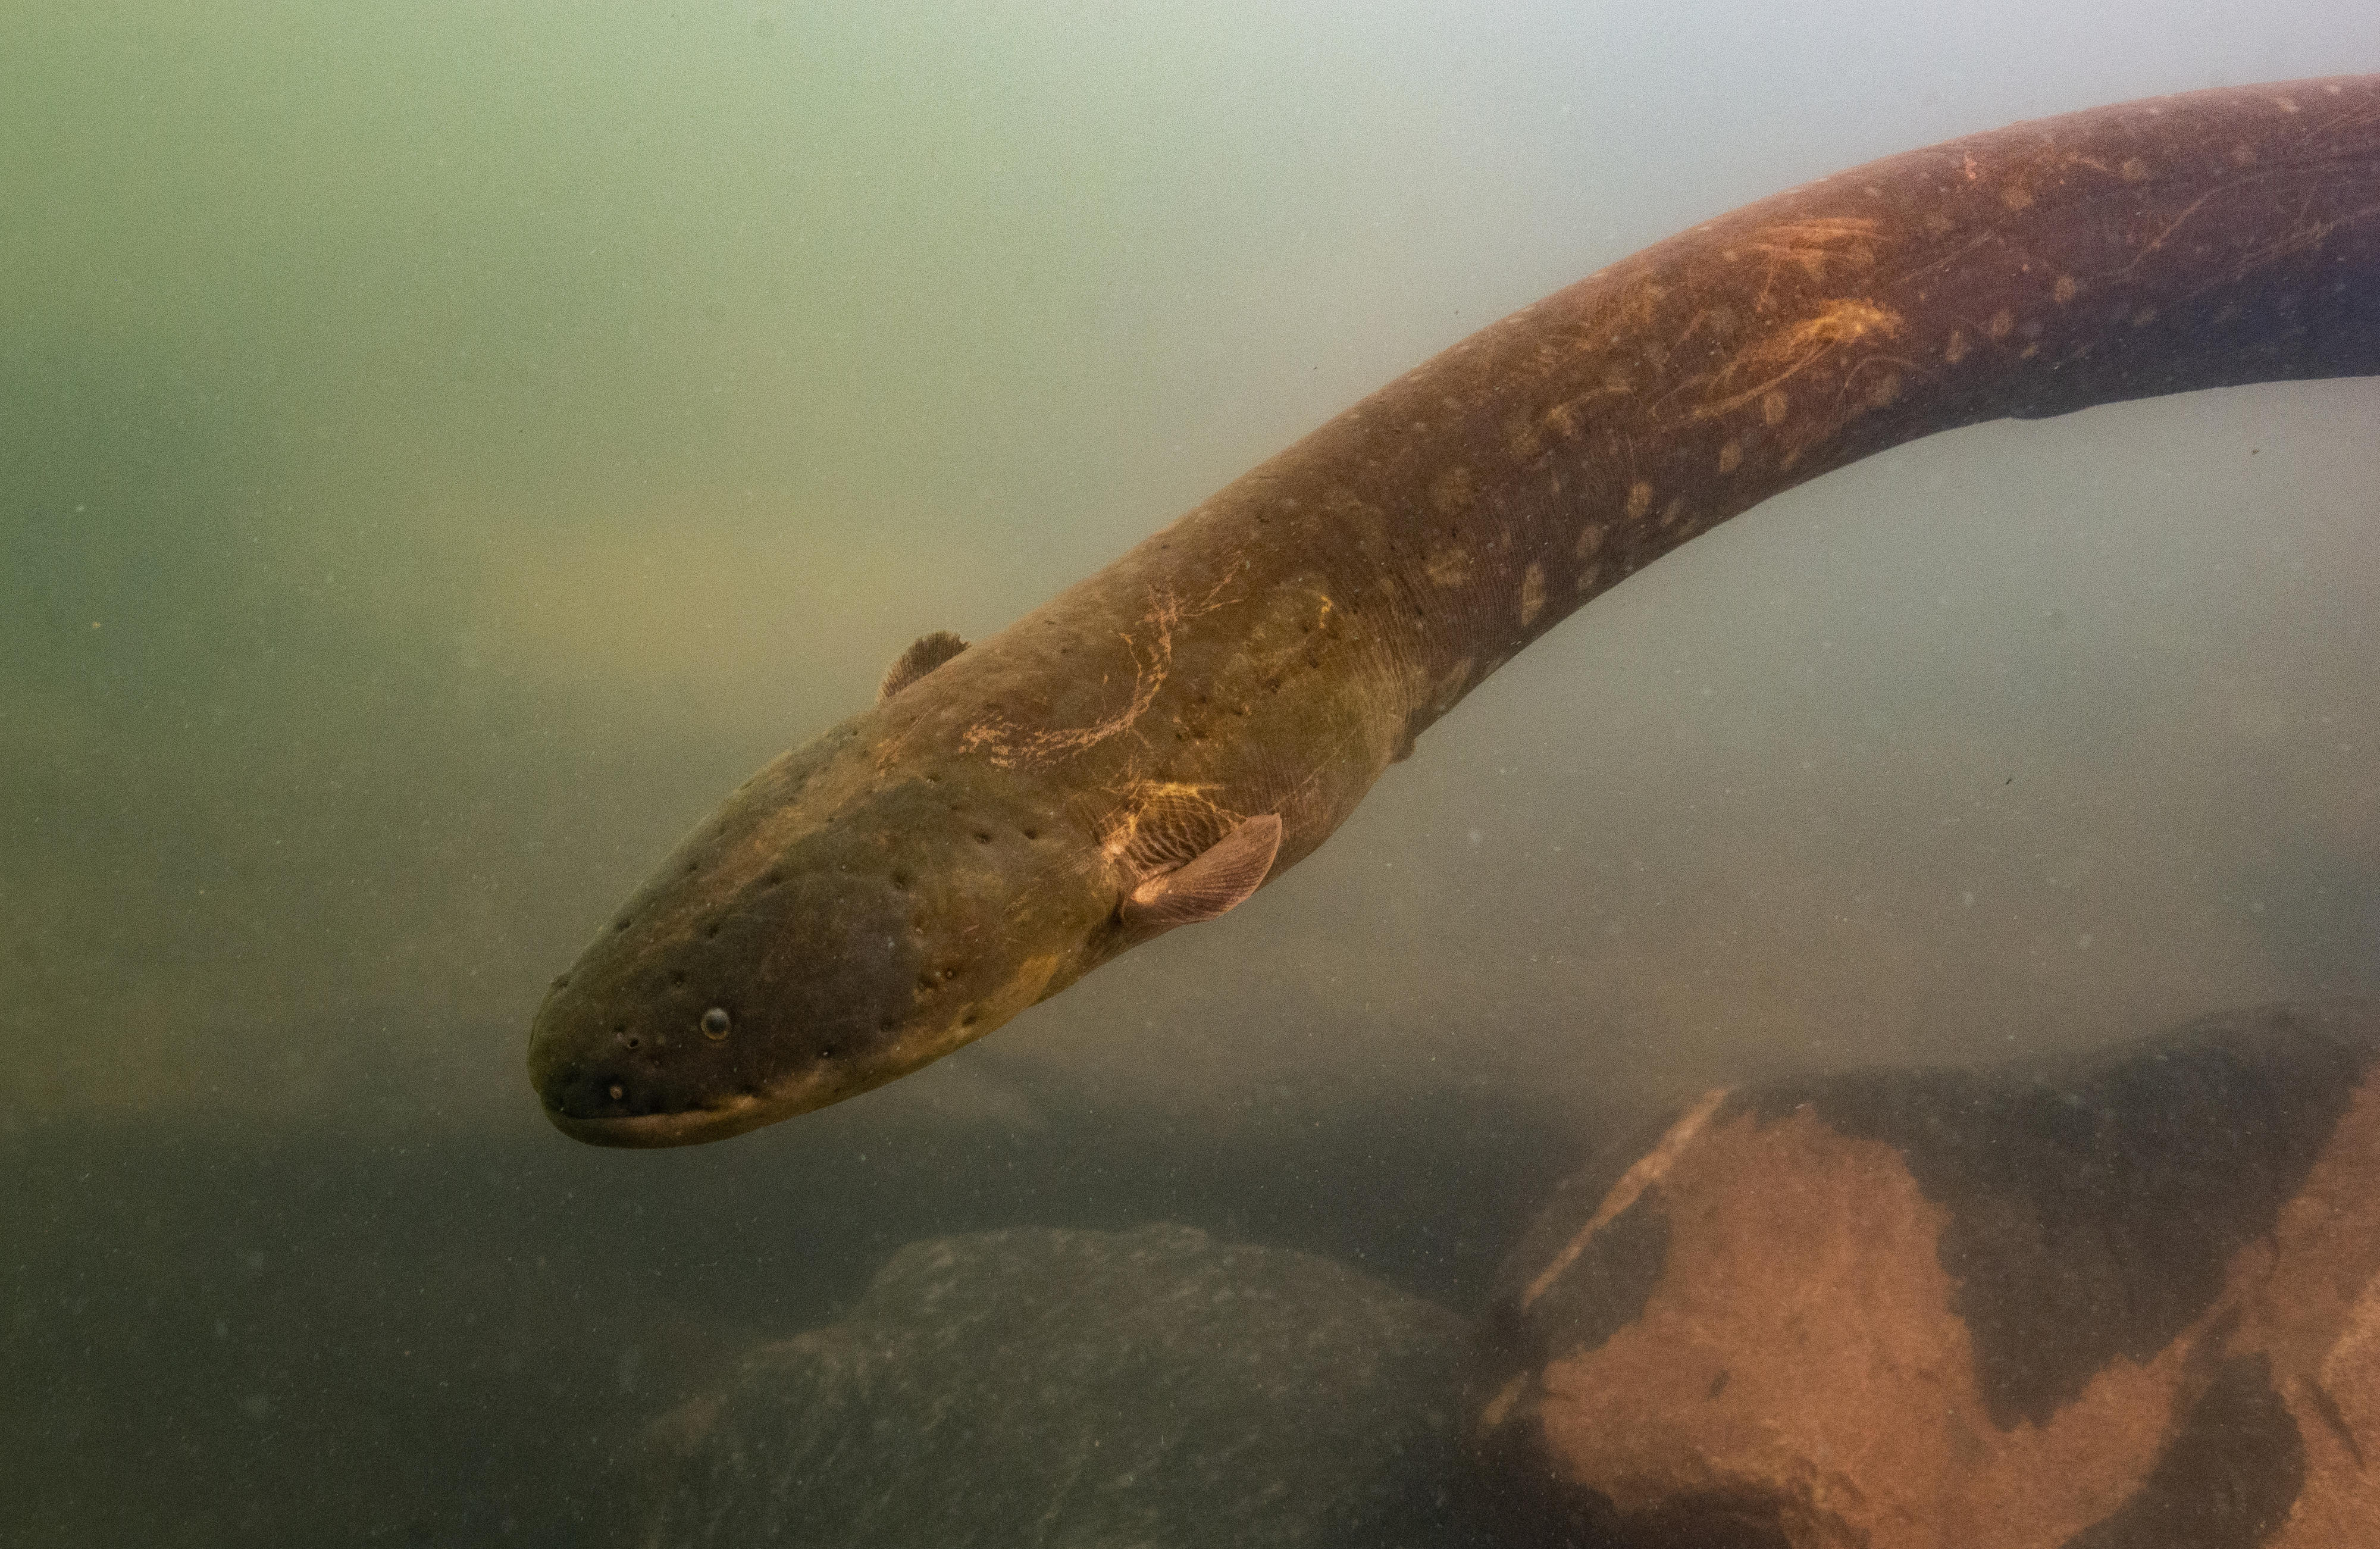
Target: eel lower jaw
(800,1092)
(730,1115)
(651,1131)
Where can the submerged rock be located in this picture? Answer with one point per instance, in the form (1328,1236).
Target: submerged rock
(1040,1387)
(2131,1305)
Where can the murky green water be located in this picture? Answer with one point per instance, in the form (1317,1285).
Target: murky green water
(444,448)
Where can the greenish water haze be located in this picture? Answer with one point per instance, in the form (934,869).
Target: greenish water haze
(444,448)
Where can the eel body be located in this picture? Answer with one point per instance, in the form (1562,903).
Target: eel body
(1148,747)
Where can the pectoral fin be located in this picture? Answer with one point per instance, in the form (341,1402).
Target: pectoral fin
(925,653)
(1218,879)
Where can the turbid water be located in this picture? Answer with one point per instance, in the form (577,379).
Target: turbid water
(442,449)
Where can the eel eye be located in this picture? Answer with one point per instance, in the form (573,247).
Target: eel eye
(715,1023)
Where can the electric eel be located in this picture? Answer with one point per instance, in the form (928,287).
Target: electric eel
(1155,743)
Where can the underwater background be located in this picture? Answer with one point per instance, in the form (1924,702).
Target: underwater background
(444,447)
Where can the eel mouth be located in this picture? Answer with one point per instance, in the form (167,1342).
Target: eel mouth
(685,1127)
(714,1120)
